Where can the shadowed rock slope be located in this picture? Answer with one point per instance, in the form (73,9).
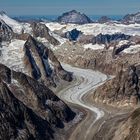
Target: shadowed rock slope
(42,63)
(28,109)
(6,31)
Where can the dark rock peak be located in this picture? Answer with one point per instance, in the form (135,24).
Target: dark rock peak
(72,12)
(107,38)
(74,17)
(73,34)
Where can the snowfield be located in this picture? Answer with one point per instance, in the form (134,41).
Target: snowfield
(12,55)
(97,28)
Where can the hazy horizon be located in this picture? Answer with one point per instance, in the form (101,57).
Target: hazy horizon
(54,7)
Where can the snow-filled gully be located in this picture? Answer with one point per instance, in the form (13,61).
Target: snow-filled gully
(86,80)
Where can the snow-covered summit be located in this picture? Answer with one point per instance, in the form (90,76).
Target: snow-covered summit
(16,26)
(74,17)
(132,18)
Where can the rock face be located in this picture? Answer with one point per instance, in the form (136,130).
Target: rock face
(29,110)
(129,128)
(74,17)
(106,39)
(73,35)
(6,31)
(40,30)
(120,127)
(132,18)
(42,63)
(121,90)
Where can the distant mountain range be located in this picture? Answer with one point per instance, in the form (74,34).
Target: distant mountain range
(79,18)
(132,18)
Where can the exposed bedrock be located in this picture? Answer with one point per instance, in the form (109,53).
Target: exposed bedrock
(42,63)
(123,90)
(29,107)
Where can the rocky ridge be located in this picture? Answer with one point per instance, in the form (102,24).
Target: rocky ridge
(42,63)
(123,90)
(131,18)
(6,31)
(29,107)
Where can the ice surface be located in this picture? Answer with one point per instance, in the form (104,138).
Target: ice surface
(97,28)
(12,54)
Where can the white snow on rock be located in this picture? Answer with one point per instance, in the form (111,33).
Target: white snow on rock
(54,25)
(12,55)
(123,42)
(27,28)
(132,49)
(57,37)
(94,47)
(97,28)
(16,26)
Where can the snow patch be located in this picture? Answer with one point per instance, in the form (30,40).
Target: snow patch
(93,47)
(54,26)
(132,49)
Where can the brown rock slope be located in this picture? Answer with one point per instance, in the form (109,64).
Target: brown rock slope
(120,127)
(129,129)
(29,110)
(40,30)
(122,90)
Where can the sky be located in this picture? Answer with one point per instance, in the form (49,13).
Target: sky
(57,7)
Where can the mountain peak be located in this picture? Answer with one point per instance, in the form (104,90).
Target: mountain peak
(74,17)
(132,18)
(73,11)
